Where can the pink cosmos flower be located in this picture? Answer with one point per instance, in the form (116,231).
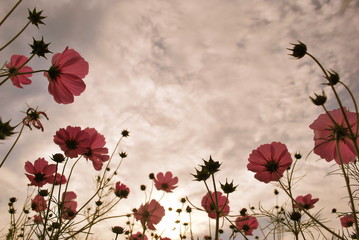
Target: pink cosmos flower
(306,201)
(209,203)
(327,133)
(66,74)
(96,151)
(69,205)
(247,224)
(165,182)
(57,179)
(347,220)
(37,219)
(138,236)
(72,140)
(16,62)
(38,204)
(149,214)
(40,172)
(121,190)
(269,161)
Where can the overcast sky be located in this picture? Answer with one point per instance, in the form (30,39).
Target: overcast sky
(188,79)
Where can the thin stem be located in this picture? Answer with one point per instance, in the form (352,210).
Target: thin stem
(7,44)
(309,215)
(12,147)
(9,13)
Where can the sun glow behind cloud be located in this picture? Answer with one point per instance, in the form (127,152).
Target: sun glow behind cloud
(189,79)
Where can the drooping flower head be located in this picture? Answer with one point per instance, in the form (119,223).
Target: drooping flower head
(121,190)
(38,204)
(306,202)
(66,74)
(165,182)
(72,140)
(40,173)
(209,203)
(96,151)
(150,214)
(68,205)
(327,134)
(269,161)
(33,118)
(347,220)
(17,76)
(247,224)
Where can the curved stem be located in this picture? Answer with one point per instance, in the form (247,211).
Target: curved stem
(9,13)
(7,44)
(310,215)
(12,147)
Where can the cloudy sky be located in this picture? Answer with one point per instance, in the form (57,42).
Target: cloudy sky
(188,79)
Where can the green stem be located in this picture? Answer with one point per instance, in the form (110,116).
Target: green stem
(7,44)
(12,147)
(9,13)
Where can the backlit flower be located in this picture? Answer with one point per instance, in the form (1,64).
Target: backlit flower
(40,172)
(347,220)
(210,201)
(68,205)
(38,204)
(327,134)
(306,202)
(37,219)
(150,214)
(57,179)
(138,236)
(121,190)
(165,182)
(72,140)
(66,74)
(247,224)
(269,161)
(16,75)
(96,151)
(33,118)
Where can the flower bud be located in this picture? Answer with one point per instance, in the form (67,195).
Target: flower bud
(319,100)
(333,77)
(299,50)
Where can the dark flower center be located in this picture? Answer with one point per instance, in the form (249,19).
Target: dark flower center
(39,177)
(33,206)
(164,186)
(12,70)
(271,166)
(54,72)
(146,215)
(340,132)
(71,144)
(246,228)
(89,153)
